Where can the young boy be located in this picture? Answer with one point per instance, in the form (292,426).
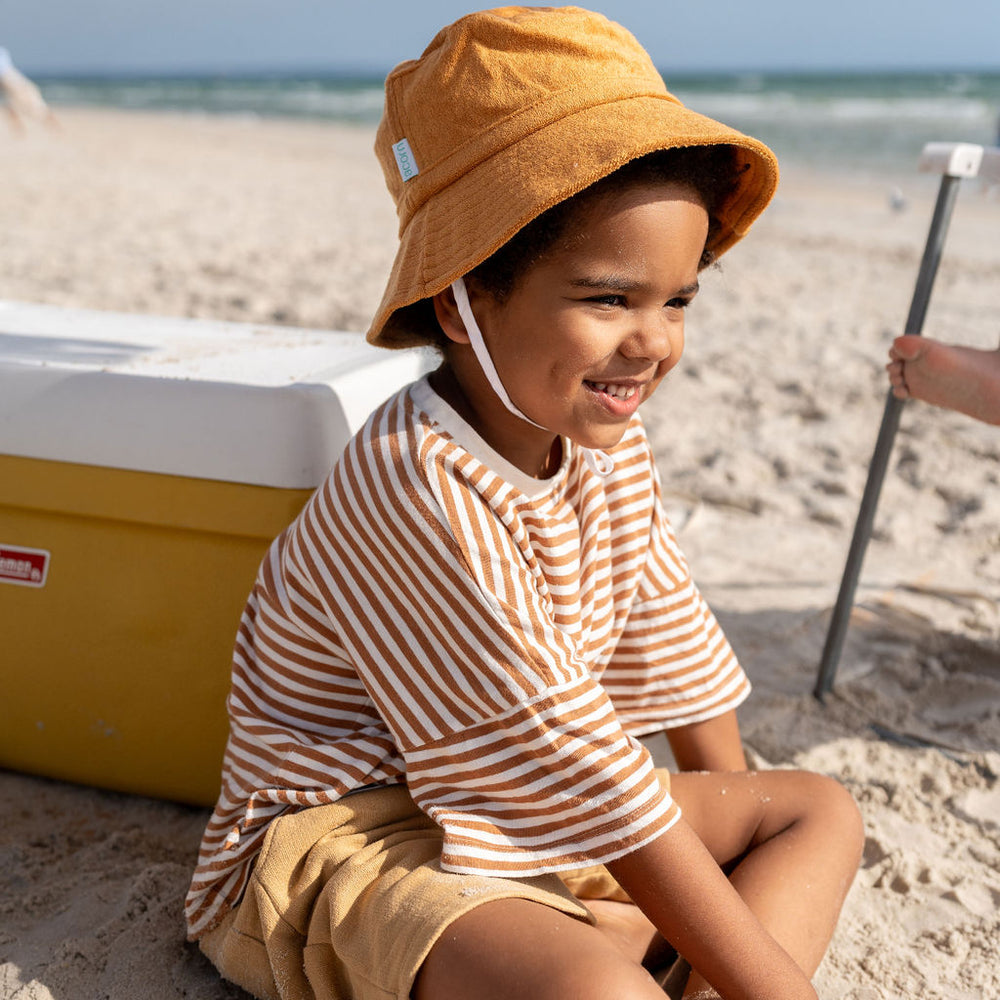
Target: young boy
(960,378)
(433,786)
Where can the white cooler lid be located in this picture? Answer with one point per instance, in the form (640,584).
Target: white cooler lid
(238,402)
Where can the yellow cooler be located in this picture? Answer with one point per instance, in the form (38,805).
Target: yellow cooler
(145,465)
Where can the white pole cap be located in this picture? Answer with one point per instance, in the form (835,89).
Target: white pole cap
(955,159)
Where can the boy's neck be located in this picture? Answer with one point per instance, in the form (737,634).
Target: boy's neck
(538,456)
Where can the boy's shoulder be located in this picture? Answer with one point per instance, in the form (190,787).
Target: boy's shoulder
(392,442)
(394,416)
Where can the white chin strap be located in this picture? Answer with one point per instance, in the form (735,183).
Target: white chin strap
(482,354)
(599,461)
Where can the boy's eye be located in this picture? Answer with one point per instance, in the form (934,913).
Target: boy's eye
(618,299)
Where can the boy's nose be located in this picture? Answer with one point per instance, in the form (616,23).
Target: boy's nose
(654,339)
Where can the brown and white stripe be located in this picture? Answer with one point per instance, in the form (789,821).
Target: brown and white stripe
(436,617)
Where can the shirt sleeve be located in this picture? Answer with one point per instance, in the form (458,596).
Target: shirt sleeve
(673,665)
(510,743)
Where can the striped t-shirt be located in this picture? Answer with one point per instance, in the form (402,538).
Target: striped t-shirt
(436,616)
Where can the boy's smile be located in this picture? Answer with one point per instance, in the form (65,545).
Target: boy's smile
(588,331)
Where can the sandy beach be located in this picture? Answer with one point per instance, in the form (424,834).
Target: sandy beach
(763,436)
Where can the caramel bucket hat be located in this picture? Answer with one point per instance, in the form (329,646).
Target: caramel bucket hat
(508,112)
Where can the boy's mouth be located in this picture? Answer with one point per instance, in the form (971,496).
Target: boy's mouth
(616,390)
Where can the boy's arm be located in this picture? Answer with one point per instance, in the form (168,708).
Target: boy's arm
(712,745)
(680,888)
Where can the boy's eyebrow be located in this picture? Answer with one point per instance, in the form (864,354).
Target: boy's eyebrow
(617,283)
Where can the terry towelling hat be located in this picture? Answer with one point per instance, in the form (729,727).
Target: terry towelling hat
(507,113)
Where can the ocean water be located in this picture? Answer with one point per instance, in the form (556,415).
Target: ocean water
(867,123)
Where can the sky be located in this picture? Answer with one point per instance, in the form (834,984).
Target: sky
(51,37)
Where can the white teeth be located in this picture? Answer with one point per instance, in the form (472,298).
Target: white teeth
(618,391)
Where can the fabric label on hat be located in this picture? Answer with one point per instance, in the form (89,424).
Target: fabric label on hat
(405,160)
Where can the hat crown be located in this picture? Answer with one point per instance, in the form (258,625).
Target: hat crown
(511,71)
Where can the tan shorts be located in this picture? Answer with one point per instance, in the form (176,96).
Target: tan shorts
(346,900)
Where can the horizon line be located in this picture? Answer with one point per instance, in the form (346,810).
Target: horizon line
(371,75)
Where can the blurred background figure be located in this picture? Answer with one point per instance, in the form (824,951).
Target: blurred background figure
(22,100)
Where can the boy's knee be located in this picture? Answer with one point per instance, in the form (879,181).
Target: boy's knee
(834,806)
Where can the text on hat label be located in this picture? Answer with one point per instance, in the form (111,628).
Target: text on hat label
(405,160)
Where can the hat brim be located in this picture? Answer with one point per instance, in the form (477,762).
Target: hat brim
(482,209)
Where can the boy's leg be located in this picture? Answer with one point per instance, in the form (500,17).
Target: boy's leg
(794,842)
(960,378)
(796,838)
(519,948)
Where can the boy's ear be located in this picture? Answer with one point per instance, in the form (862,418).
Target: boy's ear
(446,311)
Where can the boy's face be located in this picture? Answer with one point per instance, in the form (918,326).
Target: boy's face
(590,330)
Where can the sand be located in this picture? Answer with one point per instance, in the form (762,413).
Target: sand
(763,436)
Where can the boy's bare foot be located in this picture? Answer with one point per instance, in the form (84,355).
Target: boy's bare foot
(965,379)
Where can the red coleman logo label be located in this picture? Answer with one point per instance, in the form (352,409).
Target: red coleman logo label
(28,567)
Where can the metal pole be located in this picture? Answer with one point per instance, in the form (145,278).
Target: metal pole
(834,644)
